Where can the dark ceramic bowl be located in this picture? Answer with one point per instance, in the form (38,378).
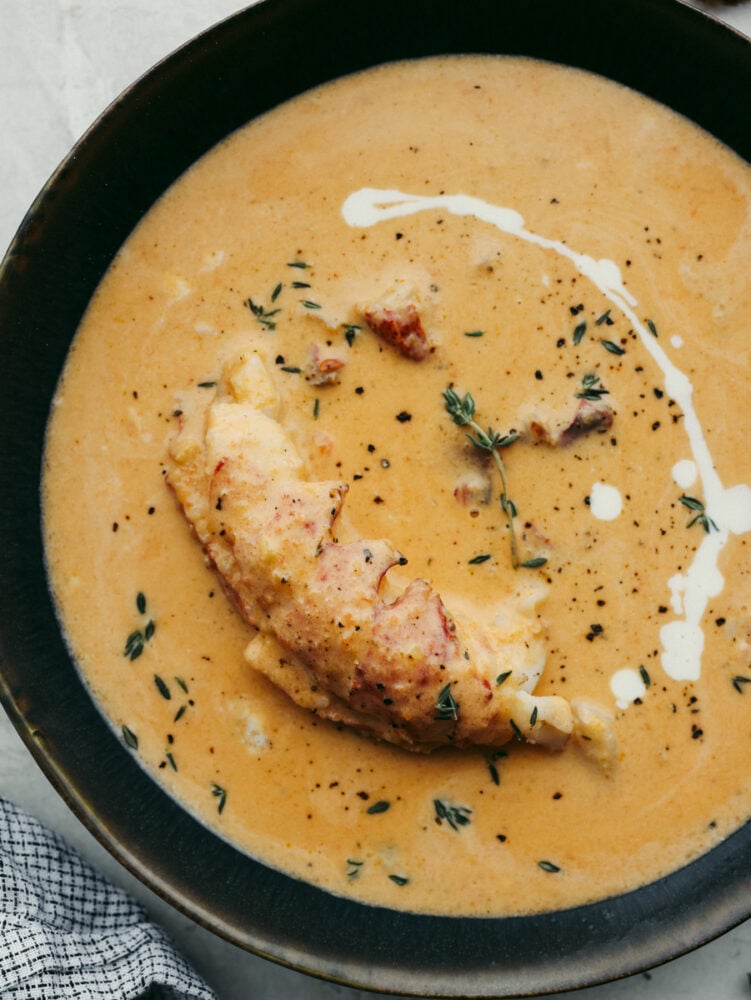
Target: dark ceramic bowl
(146,139)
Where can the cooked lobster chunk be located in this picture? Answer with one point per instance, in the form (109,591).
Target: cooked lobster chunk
(402,668)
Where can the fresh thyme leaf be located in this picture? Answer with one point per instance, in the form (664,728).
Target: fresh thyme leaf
(220,794)
(291,369)
(299,264)
(399,879)
(180,713)
(579,332)
(301,284)
(381,806)
(181,683)
(503,677)
(494,775)
(692,503)
(171,760)
(134,645)
(605,318)
(476,560)
(507,505)
(534,563)
(506,440)
(739,681)
(277,291)
(701,516)
(455,816)
(591,389)
(652,327)
(475,333)
(353,868)
(533,717)
(309,304)
(517,731)
(548,866)
(148,632)
(447,708)
(209,384)
(141,603)
(316,407)
(130,738)
(462,412)
(164,691)
(263,315)
(644,674)
(611,346)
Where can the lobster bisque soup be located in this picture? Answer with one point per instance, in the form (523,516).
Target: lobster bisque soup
(576,259)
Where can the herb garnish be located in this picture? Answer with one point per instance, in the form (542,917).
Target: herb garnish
(534,563)
(475,333)
(164,691)
(263,315)
(476,560)
(739,681)
(455,816)
(579,332)
(399,879)
(612,347)
(700,515)
(446,706)
(299,264)
(462,412)
(652,327)
(136,641)
(490,761)
(381,806)
(590,389)
(503,677)
(353,868)
(134,645)
(220,794)
(548,866)
(644,674)
(605,318)
(130,738)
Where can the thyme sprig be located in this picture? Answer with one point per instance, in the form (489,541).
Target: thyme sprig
(700,514)
(462,412)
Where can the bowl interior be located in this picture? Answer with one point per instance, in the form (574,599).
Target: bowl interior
(146,139)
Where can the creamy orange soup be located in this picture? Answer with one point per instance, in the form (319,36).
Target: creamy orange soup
(565,240)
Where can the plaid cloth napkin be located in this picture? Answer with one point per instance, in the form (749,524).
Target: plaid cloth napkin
(65,931)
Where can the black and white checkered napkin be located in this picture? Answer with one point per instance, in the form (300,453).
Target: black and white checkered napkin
(65,931)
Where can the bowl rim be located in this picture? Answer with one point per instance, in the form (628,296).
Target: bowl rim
(207,879)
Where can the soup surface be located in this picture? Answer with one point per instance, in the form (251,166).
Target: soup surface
(578,258)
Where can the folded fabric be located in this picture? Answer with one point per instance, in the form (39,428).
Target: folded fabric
(66,931)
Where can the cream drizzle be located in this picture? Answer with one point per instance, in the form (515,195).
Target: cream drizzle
(605,502)
(729,509)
